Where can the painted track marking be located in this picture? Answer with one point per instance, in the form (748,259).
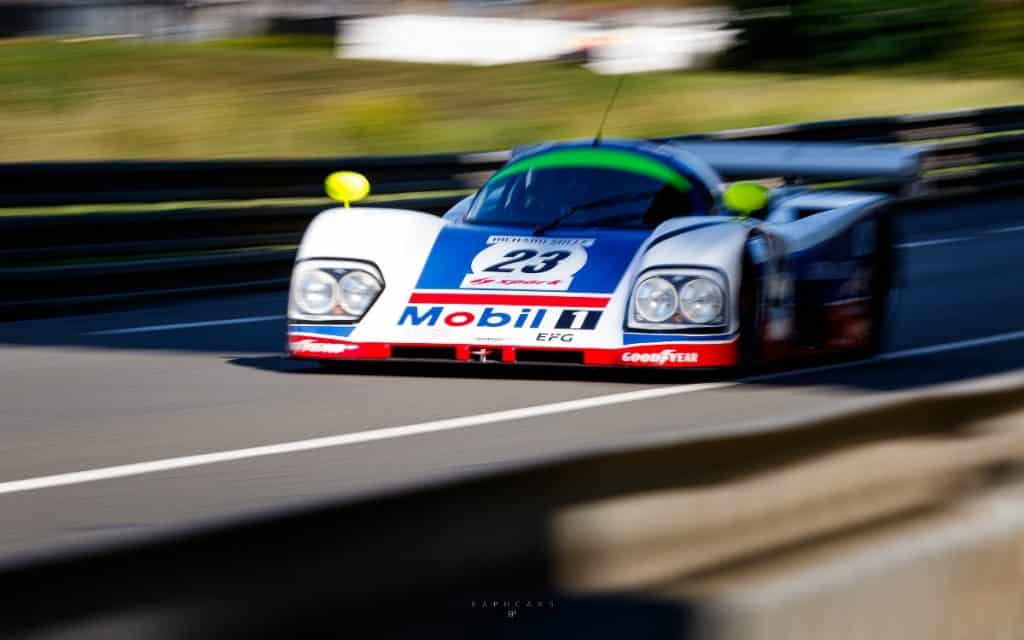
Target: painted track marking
(932,243)
(955,239)
(182,325)
(388,433)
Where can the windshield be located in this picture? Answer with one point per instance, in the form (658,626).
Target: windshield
(582,188)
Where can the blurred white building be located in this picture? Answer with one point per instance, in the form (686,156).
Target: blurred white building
(630,42)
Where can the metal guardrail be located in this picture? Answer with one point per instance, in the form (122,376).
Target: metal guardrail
(236,217)
(67,183)
(904,128)
(606,542)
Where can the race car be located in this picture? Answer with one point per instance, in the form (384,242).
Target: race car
(626,253)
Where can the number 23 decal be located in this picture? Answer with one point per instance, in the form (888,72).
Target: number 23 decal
(547,261)
(540,266)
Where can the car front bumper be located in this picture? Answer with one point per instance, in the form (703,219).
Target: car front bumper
(702,354)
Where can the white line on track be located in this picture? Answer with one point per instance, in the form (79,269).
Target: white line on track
(931,243)
(388,433)
(1014,229)
(182,325)
(940,241)
(948,346)
(350,438)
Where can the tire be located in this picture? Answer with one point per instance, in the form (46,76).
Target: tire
(750,315)
(881,282)
(330,366)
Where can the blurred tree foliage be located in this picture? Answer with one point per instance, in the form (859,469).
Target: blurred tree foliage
(830,34)
(995,42)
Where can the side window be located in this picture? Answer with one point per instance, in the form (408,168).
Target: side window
(807,212)
(790,213)
(494,198)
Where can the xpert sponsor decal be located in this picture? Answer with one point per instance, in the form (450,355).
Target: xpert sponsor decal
(472,281)
(312,345)
(468,257)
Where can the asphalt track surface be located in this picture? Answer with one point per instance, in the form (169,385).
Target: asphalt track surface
(118,425)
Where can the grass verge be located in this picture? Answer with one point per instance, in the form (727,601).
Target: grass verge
(288,98)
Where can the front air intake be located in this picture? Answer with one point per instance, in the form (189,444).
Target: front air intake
(549,356)
(424,353)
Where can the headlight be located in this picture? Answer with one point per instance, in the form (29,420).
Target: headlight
(655,300)
(333,289)
(356,292)
(701,301)
(316,292)
(683,299)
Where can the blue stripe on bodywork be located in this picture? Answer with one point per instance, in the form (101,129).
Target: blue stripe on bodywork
(642,338)
(333,330)
(607,258)
(679,232)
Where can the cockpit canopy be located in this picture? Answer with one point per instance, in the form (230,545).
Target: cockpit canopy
(588,186)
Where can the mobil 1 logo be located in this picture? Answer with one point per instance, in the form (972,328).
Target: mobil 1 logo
(568,321)
(578,319)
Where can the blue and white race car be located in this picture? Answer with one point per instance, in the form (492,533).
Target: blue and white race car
(610,253)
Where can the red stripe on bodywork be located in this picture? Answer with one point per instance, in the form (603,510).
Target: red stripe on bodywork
(696,354)
(576,302)
(330,348)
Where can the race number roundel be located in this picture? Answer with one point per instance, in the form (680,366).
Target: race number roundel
(528,263)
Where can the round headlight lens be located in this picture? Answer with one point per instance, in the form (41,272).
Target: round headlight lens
(357,291)
(656,300)
(315,292)
(701,301)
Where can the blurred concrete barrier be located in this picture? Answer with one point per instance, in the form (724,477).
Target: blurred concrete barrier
(909,537)
(631,541)
(948,575)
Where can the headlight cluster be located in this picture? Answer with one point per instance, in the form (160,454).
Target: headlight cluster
(337,292)
(677,300)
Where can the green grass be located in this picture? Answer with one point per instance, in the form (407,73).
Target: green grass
(290,97)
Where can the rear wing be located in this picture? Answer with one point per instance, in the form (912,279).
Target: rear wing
(807,162)
(862,166)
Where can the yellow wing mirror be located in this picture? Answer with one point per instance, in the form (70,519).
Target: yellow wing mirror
(746,197)
(347,187)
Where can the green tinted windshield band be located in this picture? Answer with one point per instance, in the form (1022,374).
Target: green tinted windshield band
(598,159)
